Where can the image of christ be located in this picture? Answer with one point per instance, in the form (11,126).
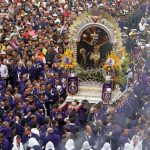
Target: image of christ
(93,48)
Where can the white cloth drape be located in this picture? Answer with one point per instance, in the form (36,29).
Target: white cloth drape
(70,145)
(49,146)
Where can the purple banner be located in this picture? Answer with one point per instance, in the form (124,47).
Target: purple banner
(106,91)
(72,85)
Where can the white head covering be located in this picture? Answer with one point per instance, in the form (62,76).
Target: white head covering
(143,19)
(138,145)
(106,146)
(15,144)
(35,131)
(128,146)
(70,144)
(15,141)
(57,20)
(86,146)
(33,142)
(49,146)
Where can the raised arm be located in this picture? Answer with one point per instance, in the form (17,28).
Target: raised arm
(87,42)
(103,43)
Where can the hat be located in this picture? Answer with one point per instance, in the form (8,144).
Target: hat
(3,53)
(55,15)
(133,30)
(6,39)
(126,28)
(132,33)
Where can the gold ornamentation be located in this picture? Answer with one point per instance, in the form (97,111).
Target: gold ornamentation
(68,60)
(112,62)
(96,18)
(99,18)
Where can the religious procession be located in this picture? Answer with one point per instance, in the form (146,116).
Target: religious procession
(74,75)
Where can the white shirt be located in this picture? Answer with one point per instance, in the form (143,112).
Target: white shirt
(142,26)
(3,71)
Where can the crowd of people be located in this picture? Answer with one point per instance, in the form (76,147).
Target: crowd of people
(33,110)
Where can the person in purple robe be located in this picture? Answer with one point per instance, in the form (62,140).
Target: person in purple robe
(2,87)
(40,104)
(51,94)
(51,136)
(123,138)
(20,127)
(146,106)
(70,126)
(146,141)
(57,78)
(58,125)
(70,112)
(30,70)
(40,115)
(23,83)
(83,112)
(6,130)
(61,90)
(11,72)
(50,55)
(115,135)
(8,116)
(121,23)
(49,79)
(147,91)
(19,71)
(4,143)
(28,134)
(39,67)
(36,89)
(45,126)
(26,93)
(87,135)
(95,115)
(54,112)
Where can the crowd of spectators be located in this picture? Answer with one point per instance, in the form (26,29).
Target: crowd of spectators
(33,111)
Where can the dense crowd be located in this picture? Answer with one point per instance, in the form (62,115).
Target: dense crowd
(33,111)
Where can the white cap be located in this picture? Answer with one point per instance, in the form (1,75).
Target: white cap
(133,30)
(55,15)
(6,39)
(3,53)
(125,28)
